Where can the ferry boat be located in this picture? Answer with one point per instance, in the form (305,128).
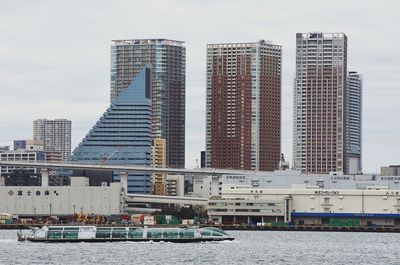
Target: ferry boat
(136,234)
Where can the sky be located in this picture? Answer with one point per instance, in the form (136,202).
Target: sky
(55,59)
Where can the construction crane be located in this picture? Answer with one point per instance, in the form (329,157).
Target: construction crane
(105,159)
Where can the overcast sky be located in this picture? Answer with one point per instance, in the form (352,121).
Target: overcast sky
(55,59)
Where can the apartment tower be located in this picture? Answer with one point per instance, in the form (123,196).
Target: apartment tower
(55,136)
(354,122)
(166,59)
(320,94)
(243,116)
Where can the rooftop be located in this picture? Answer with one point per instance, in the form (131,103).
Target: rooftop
(148,41)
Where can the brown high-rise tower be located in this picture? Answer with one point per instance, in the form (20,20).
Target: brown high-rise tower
(319,144)
(243,105)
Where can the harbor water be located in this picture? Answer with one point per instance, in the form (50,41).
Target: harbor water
(250,247)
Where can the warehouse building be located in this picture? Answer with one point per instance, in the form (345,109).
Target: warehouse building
(304,205)
(205,187)
(60,200)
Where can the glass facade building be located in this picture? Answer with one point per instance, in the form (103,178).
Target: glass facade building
(123,134)
(166,59)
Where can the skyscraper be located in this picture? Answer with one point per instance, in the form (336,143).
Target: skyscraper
(56,137)
(319,144)
(166,59)
(354,122)
(243,105)
(123,134)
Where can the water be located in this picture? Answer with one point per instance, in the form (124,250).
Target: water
(250,247)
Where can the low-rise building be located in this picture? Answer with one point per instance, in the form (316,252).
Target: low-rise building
(25,155)
(392,170)
(62,200)
(175,185)
(205,187)
(304,205)
(22,177)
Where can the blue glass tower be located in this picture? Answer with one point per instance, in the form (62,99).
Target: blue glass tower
(123,134)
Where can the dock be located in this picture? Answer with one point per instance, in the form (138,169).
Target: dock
(313,228)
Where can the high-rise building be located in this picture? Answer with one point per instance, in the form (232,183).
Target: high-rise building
(243,116)
(55,136)
(122,136)
(354,123)
(166,59)
(319,144)
(159,160)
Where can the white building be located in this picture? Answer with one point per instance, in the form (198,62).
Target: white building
(304,205)
(175,185)
(61,200)
(26,155)
(205,187)
(55,134)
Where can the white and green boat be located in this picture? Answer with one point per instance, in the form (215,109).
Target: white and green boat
(137,234)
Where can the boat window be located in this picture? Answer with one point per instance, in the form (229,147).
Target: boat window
(205,233)
(153,233)
(55,228)
(171,234)
(187,233)
(103,233)
(54,234)
(71,228)
(135,233)
(119,234)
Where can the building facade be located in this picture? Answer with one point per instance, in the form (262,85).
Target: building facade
(320,96)
(354,123)
(22,177)
(55,135)
(123,134)
(304,205)
(243,118)
(175,185)
(167,61)
(392,170)
(207,186)
(58,201)
(159,160)
(25,155)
